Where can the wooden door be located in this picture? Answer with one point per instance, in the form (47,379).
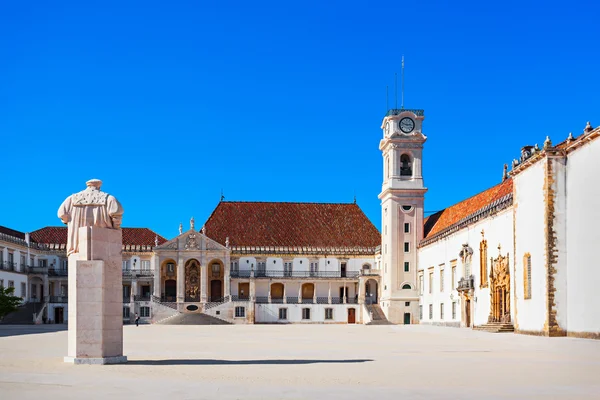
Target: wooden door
(58,315)
(468,313)
(406,318)
(351,316)
(243,290)
(215,290)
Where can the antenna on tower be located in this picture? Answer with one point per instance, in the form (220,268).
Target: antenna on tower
(396,89)
(387,101)
(402,106)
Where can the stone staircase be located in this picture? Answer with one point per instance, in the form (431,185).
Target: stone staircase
(193,319)
(24,315)
(495,327)
(378,317)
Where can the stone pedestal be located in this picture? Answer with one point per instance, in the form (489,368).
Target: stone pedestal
(95,298)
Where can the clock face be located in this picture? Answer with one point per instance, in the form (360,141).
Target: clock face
(406,125)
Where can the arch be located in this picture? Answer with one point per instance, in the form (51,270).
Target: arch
(407,286)
(371,291)
(215,273)
(192,280)
(168,280)
(308,291)
(405,165)
(277,291)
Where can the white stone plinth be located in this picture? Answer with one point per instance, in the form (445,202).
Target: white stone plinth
(95,298)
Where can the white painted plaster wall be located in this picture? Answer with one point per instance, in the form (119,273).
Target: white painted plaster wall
(17,279)
(583,219)
(498,230)
(530,217)
(269,313)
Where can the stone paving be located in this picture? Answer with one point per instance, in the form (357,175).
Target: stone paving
(303,362)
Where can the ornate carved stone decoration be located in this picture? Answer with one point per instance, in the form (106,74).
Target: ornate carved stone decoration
(171,246)
(191,243)
(192,281)
(500,290)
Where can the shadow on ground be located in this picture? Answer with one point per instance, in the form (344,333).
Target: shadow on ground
(16,330)
(240,362)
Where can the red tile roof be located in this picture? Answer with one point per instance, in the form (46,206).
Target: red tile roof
(12,232)
(437,223)
(276,224)
(131,236)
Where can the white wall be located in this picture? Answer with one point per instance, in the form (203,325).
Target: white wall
(530,225)
(17,279)
(498,230)
(269,313)
(583,218)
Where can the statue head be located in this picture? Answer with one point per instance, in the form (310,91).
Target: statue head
(94,184)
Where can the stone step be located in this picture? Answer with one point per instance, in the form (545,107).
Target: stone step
(193,319)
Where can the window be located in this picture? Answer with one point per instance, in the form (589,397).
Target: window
(430,281)
(406,247)
(387,167)
(144,312)
(407,304)
(240,312)
(314,268)
(406,286)
(171,268)
(283,313)
(23,289)
(125,265)
(441,280)
(406,266)
(329,313)
(216,269)
(42,263)
(527,276)
(22,259)
(287,268)
(235,267)
(306,313)
(454,275)
(405,165)
(11,258)
(145,265)
(125,312)
(420,312)
(64,264)
(406,227)
(483,263)
(442,311)
(421,283)
(431,311)
(11,284)
(453,310)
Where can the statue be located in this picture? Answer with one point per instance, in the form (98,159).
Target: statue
(90,207)
(192,223)
(180,228)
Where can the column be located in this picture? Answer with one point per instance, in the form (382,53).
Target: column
(284,294)
(300,294)
(180,280)
(227,276)
(361,291)
(203,283)
(315,293)
(344,299)
(252,290)
(17,261)
(134,289)
(155,266)
(329,294)
(269,293)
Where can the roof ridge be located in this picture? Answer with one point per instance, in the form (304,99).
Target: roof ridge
(284,202)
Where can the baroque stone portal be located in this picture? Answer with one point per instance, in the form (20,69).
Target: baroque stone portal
(90,207)
(500,290)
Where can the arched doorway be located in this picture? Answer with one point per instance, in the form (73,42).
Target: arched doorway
(371,291)
(277,293)
(168,279)
(192,280)
(500,291)
(215,277)
(308,292)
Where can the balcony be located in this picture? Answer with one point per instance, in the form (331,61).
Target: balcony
(58,299)
(240,298)
(295,274)
(370,272)
(57,272)
(141,297)
(9,266)
(465,284)
(138,273)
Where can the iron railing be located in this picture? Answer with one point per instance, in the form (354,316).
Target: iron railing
(9,266)
(126,299)
(295,274)
(465,284)
(141,297)
(240,298)
(58,272)
(262,300)
(58,299)
(292,300)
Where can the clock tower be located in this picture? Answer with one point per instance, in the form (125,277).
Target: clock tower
(402,198)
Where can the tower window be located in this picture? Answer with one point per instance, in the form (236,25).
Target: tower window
(405,165)
(406,227)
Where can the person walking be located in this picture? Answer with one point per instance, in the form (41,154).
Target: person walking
(137,319)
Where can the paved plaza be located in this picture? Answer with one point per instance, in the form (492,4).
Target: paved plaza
(302,362)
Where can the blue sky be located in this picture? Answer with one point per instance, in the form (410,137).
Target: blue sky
(170,102)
